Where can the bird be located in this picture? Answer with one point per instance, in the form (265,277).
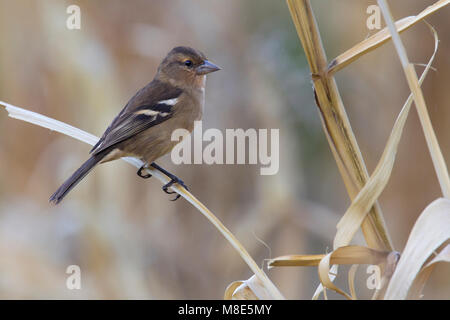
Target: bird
(174,99)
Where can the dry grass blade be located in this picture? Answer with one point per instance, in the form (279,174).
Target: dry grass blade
(433,145)
(296,260)
(430,231)
(342,255)
(381,37)
(335,121)
(38,119)
(355,214)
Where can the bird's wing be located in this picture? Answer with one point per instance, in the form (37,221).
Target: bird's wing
(151,106)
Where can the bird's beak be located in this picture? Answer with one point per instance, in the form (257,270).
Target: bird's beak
(207,67)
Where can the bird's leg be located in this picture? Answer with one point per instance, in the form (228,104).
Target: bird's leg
(173,179)
(140,174)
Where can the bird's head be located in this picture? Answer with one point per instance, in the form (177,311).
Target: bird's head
(185,66)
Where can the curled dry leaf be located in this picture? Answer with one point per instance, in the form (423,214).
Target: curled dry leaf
(325,280)
(351,280)
(349,255)
(430,231)
(231,289)
(251,289)
(328,264)
(419,282)
(331,275)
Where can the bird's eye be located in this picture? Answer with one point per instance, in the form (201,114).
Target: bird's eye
(188,63)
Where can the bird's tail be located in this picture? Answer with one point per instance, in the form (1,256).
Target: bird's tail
(76,177)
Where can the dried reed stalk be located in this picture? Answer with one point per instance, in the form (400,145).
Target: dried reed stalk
(336,123)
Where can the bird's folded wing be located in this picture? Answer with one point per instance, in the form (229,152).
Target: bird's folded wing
(131,123)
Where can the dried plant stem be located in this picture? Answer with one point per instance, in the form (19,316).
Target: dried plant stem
(335,121)
(351,220)
(52,124)
(381,37)
(413,82)
(234,242)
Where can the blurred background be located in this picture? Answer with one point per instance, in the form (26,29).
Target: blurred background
(129,240)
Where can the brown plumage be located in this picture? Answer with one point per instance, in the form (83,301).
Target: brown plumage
(143,129)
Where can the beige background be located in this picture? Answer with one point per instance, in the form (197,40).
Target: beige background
(128,238)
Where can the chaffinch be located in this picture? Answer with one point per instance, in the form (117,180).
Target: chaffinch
(173,99)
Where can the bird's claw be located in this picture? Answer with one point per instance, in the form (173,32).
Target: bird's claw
(173,179)
(144,176)
(170,183)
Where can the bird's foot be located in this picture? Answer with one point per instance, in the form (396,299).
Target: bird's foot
(174,179)
(142,175)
